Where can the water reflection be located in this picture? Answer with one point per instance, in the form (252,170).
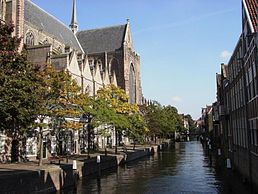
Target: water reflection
(184,168)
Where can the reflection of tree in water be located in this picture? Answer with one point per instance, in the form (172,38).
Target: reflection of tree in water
(183,168)
(99,185)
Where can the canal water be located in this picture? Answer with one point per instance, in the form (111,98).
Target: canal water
(184,168)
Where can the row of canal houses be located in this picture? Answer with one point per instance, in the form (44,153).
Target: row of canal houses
(95,58)
(232,121)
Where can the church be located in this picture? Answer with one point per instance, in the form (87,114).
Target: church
(94,57)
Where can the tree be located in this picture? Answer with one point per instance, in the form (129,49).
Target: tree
(172,121)
(60,99)
(152,115)
(138,128)
(162,121)
(19,87)
(112,107)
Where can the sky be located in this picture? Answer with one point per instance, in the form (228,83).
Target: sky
(181,42)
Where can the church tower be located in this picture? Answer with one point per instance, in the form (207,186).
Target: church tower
(74,23)
(13,11)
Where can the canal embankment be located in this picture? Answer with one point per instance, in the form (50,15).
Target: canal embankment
(31,178)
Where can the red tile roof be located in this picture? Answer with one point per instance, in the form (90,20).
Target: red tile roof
(252,6)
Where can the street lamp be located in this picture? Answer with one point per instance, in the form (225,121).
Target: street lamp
(86,118)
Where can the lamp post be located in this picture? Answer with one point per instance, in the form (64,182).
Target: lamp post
(89,126)
(86,118)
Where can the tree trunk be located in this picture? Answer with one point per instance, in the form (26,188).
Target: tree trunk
(116,141)
(40,146)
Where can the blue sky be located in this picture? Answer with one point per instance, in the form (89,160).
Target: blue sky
(181,42)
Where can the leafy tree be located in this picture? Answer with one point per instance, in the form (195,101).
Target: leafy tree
(162,121)
(59,100)
(111,107)
(171,120)
(138,128)
(19,86)
(152,115)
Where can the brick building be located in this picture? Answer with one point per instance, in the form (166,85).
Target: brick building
(94,58)
(237,98)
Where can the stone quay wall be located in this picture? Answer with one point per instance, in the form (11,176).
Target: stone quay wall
(14,180)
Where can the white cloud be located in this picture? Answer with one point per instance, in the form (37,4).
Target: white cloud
(177,99)
(225,55)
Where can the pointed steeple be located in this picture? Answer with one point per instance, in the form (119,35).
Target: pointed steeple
(74,24)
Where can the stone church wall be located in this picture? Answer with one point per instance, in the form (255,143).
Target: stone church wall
(116,59)
(59,62)
(39,54)
(131,58)
(41,37)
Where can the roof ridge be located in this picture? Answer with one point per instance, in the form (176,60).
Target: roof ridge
(102,28)
(70,37)
(50,15)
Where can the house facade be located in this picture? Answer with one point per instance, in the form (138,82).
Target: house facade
(237,99)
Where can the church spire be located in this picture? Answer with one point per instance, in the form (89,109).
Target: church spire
(74,24)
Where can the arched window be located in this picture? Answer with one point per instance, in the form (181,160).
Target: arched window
(29,39)
(114,66)
(132,85)
(101,67)
(87,89)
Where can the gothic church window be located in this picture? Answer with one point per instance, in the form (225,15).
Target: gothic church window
(101,67)
(114,67)
(29,39)
(132,85)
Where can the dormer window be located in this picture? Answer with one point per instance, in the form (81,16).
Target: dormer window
(67,49)
(45,41)
(59,49)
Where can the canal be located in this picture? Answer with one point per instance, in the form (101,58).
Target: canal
(183,168)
